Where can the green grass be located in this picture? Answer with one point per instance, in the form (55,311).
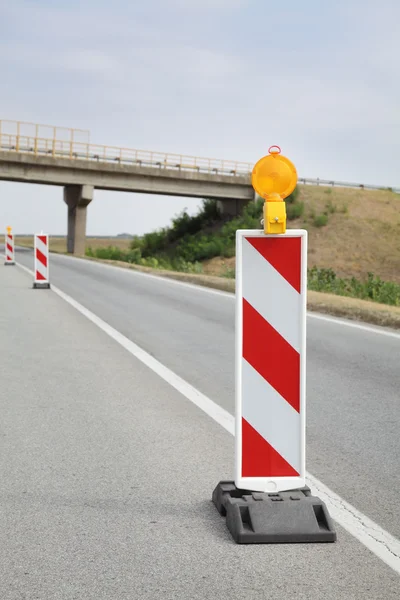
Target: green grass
(373,288)
(133,256)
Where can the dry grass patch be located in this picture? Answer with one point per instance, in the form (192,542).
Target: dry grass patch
(59,243)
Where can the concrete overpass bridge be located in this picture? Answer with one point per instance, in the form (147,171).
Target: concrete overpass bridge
(50,155)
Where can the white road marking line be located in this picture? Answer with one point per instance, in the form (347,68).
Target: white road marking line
(231,296)
(379,541)
(370,534)
(355,325)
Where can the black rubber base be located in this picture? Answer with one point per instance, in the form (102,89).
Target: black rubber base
(9,264)
(41,286)
(286,517)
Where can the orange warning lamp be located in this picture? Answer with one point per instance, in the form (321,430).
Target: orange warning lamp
(9,230)
(274,177)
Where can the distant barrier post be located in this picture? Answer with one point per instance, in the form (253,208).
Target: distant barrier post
(268,501)
(9,247)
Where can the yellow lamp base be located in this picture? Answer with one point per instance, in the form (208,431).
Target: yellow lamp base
(275,217)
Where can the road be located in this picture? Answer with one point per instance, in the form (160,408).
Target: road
(107,470)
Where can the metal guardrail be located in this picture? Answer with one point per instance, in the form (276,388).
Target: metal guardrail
(331,183)
(72,149)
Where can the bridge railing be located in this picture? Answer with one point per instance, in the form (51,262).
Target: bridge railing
(95,152)
(332,183)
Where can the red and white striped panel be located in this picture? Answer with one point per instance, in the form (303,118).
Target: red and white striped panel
(10,256)
(271,301)
(41,258)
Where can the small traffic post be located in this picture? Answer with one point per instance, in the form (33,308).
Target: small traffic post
(268,501)
(41,249)
(9,247)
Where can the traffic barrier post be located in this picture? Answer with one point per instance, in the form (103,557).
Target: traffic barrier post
(268,501)
(9,247)
(41,273)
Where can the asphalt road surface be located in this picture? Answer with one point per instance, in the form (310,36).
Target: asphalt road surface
(107,471)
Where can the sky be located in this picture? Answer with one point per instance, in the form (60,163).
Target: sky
(219,78)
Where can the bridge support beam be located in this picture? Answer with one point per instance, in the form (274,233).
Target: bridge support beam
(77,198)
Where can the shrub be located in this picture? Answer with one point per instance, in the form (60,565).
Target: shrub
(330,207)
(134,255)
(320,220)
(294,211)
(110,253)
(153,242)
(182,225)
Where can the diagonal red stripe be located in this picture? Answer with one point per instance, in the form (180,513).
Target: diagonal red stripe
(43,239)
(284,254)
(259,458)
(41,257)
(39,276)
(271,355)
(9,248)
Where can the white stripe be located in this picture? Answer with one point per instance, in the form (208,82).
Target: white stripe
(271,415)
(379,541)
(271,295)
(43,248)
(367,328)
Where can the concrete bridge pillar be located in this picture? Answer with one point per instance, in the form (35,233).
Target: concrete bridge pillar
(77,198)
(231,207)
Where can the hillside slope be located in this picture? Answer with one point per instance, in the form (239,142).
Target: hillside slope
(365,238)
(361,235)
